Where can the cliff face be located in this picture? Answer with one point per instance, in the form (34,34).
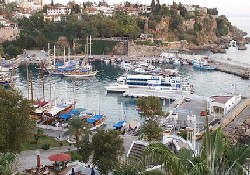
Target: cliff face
(208,30)
(200,30)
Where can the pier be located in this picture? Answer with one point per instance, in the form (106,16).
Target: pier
(231,67)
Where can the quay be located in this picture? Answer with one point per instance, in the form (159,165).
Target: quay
(228,66)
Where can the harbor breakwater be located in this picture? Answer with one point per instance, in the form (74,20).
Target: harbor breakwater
(232,67)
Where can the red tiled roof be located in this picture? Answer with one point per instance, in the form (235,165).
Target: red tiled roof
(221,99)
(91,9)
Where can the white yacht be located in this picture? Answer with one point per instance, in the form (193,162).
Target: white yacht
(156,82)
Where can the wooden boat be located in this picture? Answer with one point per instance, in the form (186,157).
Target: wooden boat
(80,74)
(96,121)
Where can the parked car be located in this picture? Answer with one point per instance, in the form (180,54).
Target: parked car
(203,113)
(187,99)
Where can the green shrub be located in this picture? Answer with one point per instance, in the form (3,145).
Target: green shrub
(45,146)
(75,156)
(33,142)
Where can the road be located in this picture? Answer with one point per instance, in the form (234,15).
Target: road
(192,107)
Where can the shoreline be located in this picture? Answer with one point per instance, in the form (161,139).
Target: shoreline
(223,65)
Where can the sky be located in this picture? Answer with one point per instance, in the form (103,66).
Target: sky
(225,7)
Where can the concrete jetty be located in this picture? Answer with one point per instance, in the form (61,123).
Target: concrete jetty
(231,67)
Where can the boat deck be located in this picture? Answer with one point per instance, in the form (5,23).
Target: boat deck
(163,94)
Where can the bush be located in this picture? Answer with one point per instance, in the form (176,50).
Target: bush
(45,146)
(75,156)
(33,142)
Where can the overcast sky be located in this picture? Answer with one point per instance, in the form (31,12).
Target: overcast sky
(226,7)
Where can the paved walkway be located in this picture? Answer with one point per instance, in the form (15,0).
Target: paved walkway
(27,159)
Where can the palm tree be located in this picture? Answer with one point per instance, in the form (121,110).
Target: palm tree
(218,157)
(77,128)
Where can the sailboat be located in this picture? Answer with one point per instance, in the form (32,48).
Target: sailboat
(120,125)
(97,120)
(85,70)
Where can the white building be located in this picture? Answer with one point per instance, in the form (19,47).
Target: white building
(145,9)
(58,10)
(106,11)
(223,104)
(34,5)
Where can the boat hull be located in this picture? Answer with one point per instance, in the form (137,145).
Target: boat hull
(83,75)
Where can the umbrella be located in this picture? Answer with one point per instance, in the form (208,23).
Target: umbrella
(59,157)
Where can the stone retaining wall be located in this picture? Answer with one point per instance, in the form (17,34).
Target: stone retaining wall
(228,118)
(8,33)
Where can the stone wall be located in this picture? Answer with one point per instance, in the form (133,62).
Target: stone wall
(8,33)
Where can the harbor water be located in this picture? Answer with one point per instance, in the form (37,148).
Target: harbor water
(90,94)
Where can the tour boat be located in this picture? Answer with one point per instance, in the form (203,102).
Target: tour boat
(156,82)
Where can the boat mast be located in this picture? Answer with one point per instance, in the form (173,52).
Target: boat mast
(43,79)
(64,56)
(49,52)
(90,39)
(54,55)
(27,76)
(69,54)
(50,92)
(99,110)
(31,87)
(87,51)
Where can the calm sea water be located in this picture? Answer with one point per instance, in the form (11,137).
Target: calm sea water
(91,94)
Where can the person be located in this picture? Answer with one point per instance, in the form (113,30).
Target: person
(72,171)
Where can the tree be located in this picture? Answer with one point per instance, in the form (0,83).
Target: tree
(85,148)
(16,127)
(12,51)
(212,11)
(150,106)
(77,128)
(129,167)
(217,156)
(6,163)
(151,130)
(107,147)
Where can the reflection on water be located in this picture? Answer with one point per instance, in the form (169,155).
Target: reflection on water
(91,94)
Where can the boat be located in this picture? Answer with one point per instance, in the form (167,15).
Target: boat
(80,73)
(121,124)
(133,127)
(96,121)
(202,65)
(117,87)
(154,82)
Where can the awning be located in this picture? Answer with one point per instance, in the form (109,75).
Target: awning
(65,116)
(119,124)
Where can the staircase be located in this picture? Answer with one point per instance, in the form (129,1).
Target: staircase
(136,150)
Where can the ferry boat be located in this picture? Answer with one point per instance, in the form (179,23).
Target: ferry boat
(156,82)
